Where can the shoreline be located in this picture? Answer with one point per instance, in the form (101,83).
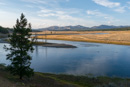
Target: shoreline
(55,45)
(92,41)
(106,37)
(71,46)
(59,80)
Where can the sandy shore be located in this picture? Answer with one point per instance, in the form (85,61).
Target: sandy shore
(109,37)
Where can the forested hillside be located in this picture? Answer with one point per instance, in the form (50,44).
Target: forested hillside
(4,30)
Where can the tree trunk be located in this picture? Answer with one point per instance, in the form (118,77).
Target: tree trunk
(21,76)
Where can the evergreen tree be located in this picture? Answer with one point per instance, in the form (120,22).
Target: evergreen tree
(19,48)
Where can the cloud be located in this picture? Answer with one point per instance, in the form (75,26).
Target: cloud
(107,3)
(107,18)
(128,5)
(128,2)
(97,13)
(50,3)
(64,14)
(120,9)
(115,6)
(40,23)
(59,17)
(35,1)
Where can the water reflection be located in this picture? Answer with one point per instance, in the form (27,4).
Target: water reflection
(94,58)
(36,48)
(94,67)
(46,51)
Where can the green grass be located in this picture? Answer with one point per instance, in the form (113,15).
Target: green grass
(59,80)
(86,81)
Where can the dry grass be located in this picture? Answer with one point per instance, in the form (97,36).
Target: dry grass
(113,37)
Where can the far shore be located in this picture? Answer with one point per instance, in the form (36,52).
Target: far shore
(94,41)
(108,37)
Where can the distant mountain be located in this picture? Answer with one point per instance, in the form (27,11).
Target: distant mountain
(67,28)
(107,27)
(80,27)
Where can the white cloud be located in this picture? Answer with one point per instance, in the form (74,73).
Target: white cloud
(63,14)
(40,23)
(50,3)
(97,13)
(108,19)
(58,17)
(35,1)
(128,5)
(115,6)
(107,3)
(128,2)
(120,9)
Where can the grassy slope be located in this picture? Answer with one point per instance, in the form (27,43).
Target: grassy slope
(53,80)
(39,80)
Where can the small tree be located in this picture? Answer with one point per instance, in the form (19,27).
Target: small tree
(19,48)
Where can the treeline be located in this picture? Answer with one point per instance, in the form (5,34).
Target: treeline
(4,30)
(113,29)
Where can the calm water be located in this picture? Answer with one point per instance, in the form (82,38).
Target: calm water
(88,58)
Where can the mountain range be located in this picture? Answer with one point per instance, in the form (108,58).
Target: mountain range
(80,27)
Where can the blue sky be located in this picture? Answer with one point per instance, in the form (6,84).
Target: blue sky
(44,13)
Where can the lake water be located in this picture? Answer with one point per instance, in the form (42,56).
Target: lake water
(88,58)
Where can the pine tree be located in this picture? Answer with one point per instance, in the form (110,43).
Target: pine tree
(20,46)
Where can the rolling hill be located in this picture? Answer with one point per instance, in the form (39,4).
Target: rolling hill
(80,27)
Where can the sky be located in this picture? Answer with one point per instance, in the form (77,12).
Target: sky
(45,13)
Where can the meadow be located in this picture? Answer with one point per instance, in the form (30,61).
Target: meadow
(109,37)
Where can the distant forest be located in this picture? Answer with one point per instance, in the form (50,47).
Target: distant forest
(4,30)
(113,29)
(7,30)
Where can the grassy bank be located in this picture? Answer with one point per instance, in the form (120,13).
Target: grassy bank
(59,80)
(111,37)
(93,41)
